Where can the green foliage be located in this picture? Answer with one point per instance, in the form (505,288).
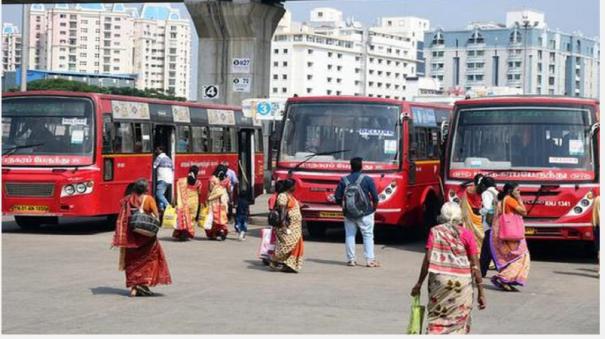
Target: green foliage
(77,86)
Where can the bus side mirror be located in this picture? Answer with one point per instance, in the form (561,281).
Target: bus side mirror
(444,130)
(594,129)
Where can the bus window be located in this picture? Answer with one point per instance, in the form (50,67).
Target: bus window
(183,137)
(230,145)
(200,139)
(216,139)
(123,142)
(142,138)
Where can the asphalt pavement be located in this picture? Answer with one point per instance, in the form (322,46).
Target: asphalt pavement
(64,279)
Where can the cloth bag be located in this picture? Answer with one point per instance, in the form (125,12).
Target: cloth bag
(416,316)
(208,220)
(203,216)
(169,218)
(266,247)
(511,227)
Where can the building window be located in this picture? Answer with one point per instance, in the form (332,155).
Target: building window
(285,51)
(275,64)
(284,90)
(309,64)
(284,76)
(476,38)
(285,63)
(309,51)
(515,36)
(309,77)
(438,39)
(274,90)
(309,90)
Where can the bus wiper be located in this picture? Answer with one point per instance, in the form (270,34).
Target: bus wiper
(543,188)
(13,149)
(311,156)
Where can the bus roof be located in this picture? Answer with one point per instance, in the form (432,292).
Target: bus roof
(119,97)
(527,99)
(343,98)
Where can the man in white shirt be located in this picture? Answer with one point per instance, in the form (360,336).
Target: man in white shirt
(165,176)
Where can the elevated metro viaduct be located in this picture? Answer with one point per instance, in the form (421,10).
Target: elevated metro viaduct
(229,31)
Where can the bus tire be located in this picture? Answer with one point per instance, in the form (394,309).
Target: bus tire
(316,230)
(28,223)
(430,210)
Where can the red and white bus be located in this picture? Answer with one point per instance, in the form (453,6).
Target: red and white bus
(69,154)
(399,142)
(549,145)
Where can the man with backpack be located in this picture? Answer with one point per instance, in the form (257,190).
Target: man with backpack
(357,195)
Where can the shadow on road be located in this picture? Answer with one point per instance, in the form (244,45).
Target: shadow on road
(109,290)
(257,265)
(595,276)
(327,262)
(80,227)
(561,251)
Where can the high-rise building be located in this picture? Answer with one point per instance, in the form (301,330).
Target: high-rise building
(11,47)
(114,39)
(330,55)
(522,54)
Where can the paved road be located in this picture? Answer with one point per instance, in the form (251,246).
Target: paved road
(65,280)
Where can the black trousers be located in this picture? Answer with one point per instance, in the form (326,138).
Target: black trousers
(486,254)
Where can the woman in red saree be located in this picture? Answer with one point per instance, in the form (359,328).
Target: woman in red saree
(188,192)
(141,257)
(218,203)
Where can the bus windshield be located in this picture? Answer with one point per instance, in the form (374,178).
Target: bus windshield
(47,126)
(522,138)
(366,130)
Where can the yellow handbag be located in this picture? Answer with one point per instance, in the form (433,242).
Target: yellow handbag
(169,218)
(203,216)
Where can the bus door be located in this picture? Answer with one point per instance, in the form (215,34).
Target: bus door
(245,141)
(164,136)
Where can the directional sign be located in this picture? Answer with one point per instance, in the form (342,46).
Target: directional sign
(263,108)
(240,65)
(242,84)
(210,92)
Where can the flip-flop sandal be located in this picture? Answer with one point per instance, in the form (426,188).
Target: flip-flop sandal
(143,291)
(499,284)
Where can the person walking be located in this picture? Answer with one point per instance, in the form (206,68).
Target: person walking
(356,193)
(188,192)
(289,245)
(164,177)
(471,205)
(241,215)
(233,188)
(451,264)
(489,198)
(218,203)
(510,256)
(141,257)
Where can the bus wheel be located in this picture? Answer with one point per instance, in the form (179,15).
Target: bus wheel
(431,211)
(316,230)
(28,223)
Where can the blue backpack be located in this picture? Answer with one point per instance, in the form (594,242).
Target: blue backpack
(355,200)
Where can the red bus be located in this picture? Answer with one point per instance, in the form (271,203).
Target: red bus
(69,154)
(398,140)
(549,145)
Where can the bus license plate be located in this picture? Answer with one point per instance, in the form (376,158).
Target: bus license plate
(530,231)
(29,209)
(330,214)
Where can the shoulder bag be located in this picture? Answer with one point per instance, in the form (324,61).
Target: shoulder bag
(143,223)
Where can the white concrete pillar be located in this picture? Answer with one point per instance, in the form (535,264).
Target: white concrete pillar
(234,31)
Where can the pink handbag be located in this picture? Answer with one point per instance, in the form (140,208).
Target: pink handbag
(510,226)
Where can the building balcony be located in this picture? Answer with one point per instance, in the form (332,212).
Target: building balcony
(515,57)
(475,59)
(514,71)
(475,71)
(439,71)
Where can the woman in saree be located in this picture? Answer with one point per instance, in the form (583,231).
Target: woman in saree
(188,192)
(453,268)
(471,204)
(289,246)
(141,257)
(218,203)
(511,257)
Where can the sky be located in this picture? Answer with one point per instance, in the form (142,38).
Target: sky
(567,15)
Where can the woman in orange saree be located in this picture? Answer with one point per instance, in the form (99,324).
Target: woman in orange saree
(289,245)
(141,257)
(471,204)
(188,192)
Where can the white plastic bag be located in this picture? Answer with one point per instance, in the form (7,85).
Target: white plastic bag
(208,221)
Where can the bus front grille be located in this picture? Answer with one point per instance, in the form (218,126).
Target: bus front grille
(19,189)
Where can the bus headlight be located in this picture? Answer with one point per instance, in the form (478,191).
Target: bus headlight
(77,188)
(81,188)
(388,191)
(69,190)
(582,206)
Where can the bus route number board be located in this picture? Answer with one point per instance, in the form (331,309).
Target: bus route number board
(210,92)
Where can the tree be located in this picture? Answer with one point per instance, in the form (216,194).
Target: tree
(77,86)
